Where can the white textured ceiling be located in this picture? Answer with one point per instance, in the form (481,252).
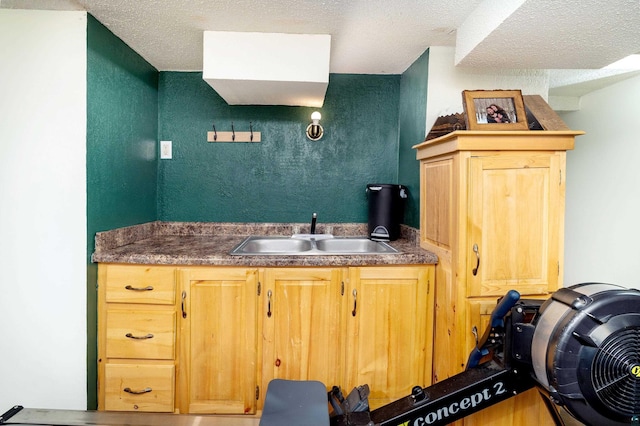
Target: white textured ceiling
(380,36)
(368,36)
(561,34)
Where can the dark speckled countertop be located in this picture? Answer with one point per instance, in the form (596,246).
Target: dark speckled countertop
(205,243)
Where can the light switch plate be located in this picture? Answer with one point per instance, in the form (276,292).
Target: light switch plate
(165,150)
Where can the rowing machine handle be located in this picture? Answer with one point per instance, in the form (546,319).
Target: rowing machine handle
(503,307)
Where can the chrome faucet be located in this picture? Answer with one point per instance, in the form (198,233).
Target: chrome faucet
(313,223)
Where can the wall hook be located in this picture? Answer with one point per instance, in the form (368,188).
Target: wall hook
(233,136)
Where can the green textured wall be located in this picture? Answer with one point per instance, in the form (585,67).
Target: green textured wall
(413,110)
(286,177)
(122,117)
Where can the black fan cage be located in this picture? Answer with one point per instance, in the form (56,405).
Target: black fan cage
(615,372)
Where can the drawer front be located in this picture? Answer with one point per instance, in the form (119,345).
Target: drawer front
(140,284)
(137,387)
(141,334)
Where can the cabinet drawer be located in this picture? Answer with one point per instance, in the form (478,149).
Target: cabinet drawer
(140,284)
(141,334)
(137,387)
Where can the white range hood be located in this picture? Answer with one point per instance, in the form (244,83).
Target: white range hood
(247,68)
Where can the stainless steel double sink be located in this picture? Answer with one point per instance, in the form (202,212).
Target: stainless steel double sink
(310,246)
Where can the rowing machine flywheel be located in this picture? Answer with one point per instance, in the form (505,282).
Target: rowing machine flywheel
(586,352)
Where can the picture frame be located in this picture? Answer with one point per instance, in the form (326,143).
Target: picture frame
(507,105)
(540,115)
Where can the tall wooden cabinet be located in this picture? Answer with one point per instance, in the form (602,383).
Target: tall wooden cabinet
(492,209)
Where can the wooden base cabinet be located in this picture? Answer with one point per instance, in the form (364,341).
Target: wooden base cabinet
(492,209)
(210,339)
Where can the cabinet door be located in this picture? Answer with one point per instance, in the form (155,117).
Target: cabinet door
(302,327)
(390,330)
(218,365)
(478,319)
(437,202)
(526,409)
(515,223)
(448,352)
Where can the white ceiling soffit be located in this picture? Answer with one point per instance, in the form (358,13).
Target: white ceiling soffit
(248,68)
(548,34)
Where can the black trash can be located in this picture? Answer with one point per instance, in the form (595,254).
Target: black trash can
(386,210)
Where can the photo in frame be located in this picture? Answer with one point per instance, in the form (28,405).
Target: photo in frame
(494,110)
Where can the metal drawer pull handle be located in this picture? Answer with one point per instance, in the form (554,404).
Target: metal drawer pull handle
(477,252)
(131,336)
(182,307)
(145,390)
(269,293)
(355,301)
(147,288)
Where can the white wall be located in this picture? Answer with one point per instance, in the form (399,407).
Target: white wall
(43,209)
(446,83)
(602,228)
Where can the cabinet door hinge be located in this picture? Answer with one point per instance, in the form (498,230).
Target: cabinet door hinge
(560,182)
(257,393)
(259,288)
(558,268)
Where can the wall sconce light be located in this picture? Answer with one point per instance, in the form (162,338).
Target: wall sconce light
(315,130)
